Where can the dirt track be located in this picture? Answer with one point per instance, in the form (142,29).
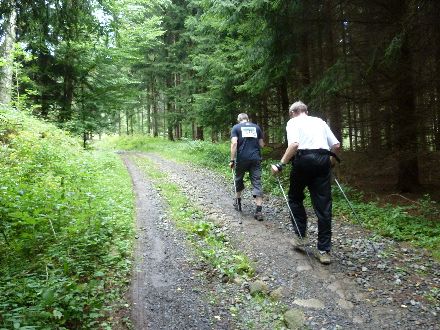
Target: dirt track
(360,290)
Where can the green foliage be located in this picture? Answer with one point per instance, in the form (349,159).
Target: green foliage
(428,208)
(398,222)
(332,82)
(66,222)
(21,98)
(393,51)
(212,155)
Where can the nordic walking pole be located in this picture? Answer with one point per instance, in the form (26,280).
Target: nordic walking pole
(235,189)
(352,209)
(291,214)
(235,192)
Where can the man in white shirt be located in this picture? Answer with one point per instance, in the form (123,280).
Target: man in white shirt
(313,147)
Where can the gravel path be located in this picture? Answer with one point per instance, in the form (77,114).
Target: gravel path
(396,289)
(165,291)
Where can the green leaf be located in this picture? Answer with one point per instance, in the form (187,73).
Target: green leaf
(57,314)
(48,297)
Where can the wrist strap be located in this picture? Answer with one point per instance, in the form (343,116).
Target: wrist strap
(280,166)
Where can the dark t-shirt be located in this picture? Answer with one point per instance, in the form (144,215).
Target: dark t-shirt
(248,135)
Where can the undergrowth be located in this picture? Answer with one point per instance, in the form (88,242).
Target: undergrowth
(65,230)
(418,224)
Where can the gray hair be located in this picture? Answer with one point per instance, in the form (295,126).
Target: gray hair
(298,107)
(242,116)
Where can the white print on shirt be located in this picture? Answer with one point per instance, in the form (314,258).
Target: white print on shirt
(249,132)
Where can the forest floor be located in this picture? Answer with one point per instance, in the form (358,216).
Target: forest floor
(396,288)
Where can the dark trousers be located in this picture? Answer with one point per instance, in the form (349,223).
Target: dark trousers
(254,169)
(314,172)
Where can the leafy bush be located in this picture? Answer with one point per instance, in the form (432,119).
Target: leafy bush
(66,222)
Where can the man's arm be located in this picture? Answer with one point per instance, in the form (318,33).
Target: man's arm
(234,142)
(335,149)
(288,154)
(261,143)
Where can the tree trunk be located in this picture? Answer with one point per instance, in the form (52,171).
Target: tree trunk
(142,121)
(155,119)
(6,72)
(437,98)
(406,121)
(362,127)
(375,120)
(265,119)
(127,124)
(119,123)
(170,132)
(169,122)
(199,133)
(334,114)
(350,125)
(355,126)
(68,85)
(149,103)
(284,97)
(44,64)
(214,136)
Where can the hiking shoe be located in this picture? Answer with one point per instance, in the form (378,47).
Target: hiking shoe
(299,243)
(258,216)
(324,257)
(237,205)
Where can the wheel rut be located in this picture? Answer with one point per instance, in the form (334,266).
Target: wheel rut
(164,290)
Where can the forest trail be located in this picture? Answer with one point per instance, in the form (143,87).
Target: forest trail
(397,289)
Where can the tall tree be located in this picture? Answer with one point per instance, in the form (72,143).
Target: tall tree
(6,50)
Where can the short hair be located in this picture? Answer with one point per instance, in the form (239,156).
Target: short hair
(242,116)
(298,107)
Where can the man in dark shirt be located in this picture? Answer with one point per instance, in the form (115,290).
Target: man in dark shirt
(246,144)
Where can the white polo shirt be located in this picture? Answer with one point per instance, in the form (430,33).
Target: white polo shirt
(310,133)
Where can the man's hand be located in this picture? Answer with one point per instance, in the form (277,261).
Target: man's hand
(232,163)
(277,168)
(333,161)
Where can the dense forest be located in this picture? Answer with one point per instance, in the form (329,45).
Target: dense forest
(185,68)
(168,77)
